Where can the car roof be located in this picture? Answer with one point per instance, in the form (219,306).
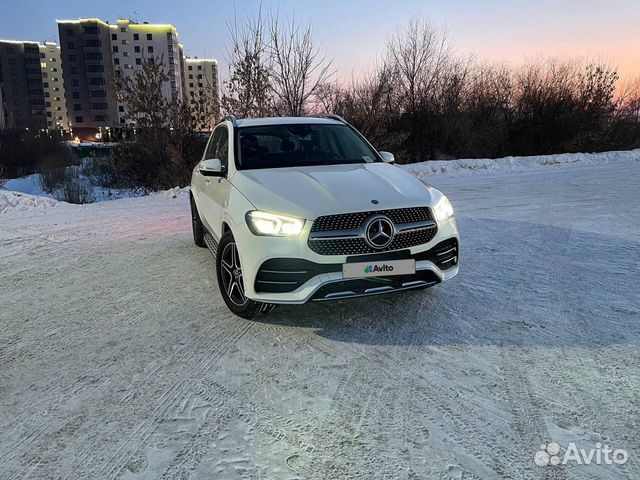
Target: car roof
(255,122)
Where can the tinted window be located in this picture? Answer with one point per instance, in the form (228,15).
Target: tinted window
(274,146)
(213,145)
(222,152)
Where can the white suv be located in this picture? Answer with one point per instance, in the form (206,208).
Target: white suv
(300,209)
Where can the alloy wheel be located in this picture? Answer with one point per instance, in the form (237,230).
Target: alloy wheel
(232,281)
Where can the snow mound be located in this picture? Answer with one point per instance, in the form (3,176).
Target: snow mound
(517,164)
(175,192)
(15,201)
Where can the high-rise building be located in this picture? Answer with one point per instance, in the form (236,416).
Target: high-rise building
(21,81)
(201,85)
(53,86)
(87,70)
(132,43)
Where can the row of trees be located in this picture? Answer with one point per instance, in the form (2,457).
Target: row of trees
(422,101)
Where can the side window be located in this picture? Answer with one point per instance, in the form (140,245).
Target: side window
(222,152)
(212,146)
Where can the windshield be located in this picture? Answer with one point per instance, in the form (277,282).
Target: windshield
(299,145)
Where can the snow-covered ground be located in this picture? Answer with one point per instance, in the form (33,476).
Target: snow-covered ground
(118,358)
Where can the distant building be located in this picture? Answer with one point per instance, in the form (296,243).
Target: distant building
(23,102)
(53,86)
(87,71)
(132,43)
(201,85)
(71,85)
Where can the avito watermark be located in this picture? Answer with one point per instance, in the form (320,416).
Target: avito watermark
(549,454)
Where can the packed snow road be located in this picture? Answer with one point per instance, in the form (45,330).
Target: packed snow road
(118,358)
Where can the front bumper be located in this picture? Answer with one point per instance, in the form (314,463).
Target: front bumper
(326,281)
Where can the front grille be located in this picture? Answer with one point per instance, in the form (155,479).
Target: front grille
(354,221)
(346,221)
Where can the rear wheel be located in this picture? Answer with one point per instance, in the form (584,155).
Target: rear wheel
(196,224)
(231,281)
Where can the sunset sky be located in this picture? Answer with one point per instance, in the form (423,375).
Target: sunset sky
(354,32)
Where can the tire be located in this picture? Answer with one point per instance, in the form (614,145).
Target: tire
(196,224)
(231,284)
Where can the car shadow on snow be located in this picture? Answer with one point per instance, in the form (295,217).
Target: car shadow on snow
(520,284)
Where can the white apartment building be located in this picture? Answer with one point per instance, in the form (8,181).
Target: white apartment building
(53,87)
(201,87)
(132,42)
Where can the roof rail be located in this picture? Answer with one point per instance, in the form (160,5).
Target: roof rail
(232,119)
(333,116)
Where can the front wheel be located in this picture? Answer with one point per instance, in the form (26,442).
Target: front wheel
(231,281)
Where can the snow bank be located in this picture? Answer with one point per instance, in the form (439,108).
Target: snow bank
(517,164)
(175,192)
(31,185)
(15,201)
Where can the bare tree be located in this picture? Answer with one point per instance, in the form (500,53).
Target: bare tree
(298,70)
(141,94)
(247,92)
(418,55)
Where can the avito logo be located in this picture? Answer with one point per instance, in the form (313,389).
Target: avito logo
(378,268)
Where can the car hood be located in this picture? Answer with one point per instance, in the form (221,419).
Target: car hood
(308,192)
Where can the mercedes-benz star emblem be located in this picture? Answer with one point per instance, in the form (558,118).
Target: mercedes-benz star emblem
(379,232)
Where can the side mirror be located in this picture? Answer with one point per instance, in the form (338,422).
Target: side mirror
(387,157)
(211,168)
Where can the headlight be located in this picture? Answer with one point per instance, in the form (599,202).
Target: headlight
(443,210)
(263,223)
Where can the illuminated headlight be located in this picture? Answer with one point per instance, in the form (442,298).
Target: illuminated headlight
(443,210)
(263,223)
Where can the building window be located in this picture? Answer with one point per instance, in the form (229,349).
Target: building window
(115,49)
(149,36)
(10,50)
(127,66)
(138,61)
(79,119)
(90,29)
(75,95)
(72,58)
(150,49)
(191,85)
(136,49)
(77,107)
(73,70)
(125,42)
(191,76)
(125,54)
(123,29)
(116,61)
(190,67)
(71,45)
(114,36)
(69,32)
(199,67)
(121,108)
(74,82)
(136,36)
